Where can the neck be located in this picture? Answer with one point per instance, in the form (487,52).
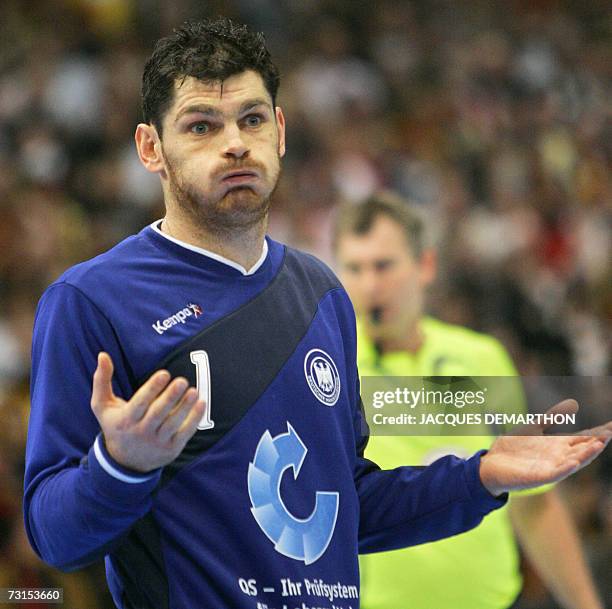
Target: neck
(243,246)
(410,341)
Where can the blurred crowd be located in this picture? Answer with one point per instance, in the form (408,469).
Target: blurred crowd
(492,117)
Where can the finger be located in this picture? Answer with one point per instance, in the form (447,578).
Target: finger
(102,388)
(579,439)
(537,429)
(190,424)
(147,393)
(164,403)
(587,452)
(576,460)
(583,454)
(565,407)
(601,431)
(177,416)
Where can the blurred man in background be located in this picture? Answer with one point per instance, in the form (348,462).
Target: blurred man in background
(386,267)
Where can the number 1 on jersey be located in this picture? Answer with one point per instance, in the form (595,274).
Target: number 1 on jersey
(200,359)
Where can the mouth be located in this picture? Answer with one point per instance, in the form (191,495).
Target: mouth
(376,314)
(239,176)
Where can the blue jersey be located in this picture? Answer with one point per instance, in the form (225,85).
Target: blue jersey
(271,500)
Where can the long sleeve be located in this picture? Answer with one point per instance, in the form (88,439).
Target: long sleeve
(78,502)
(408,505)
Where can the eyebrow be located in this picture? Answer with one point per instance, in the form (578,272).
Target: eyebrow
(214,112)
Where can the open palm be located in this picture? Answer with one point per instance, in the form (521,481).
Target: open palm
(528,458)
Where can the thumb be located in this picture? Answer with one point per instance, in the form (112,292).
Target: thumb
(537,429)
(102,391)
(565,407)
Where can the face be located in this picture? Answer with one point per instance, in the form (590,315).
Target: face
(384,279)
(219,155)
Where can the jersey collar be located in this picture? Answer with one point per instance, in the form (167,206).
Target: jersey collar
(200,250)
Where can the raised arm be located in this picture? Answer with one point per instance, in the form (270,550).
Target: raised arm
(81,497)
(412,505)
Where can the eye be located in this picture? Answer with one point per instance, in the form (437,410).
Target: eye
(253,120)
(199,128)
(383,265)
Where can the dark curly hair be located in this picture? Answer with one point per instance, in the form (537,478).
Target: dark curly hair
(210,50)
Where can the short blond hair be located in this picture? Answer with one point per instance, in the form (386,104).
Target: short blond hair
(358,219)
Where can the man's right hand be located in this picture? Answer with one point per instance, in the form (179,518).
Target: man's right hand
(151,429)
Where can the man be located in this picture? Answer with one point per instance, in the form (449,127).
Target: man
(386,268)
(184,489)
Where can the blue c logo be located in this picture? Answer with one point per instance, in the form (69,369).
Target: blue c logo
(301,539)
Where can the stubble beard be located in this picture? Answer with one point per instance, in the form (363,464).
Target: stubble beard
(239,209)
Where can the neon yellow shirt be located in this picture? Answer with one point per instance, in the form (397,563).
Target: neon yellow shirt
(478,569)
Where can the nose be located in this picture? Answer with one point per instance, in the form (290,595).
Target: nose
(235,146)
(371,284)
(365,287)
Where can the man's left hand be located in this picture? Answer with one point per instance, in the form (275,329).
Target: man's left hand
(516,462)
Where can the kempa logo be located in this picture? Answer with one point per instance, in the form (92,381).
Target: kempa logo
(160,326)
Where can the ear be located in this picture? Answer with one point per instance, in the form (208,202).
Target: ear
(280,123)
(149,148)
(429,266)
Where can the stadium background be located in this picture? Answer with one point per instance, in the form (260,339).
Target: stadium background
(489,115)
